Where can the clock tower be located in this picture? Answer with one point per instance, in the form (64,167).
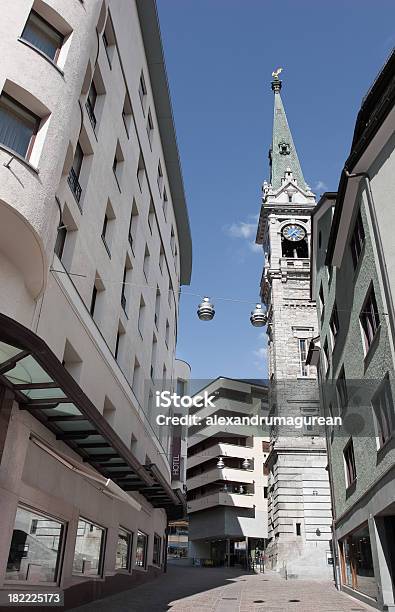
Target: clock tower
(299,508)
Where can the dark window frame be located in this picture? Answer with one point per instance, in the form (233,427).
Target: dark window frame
(35,121)
(49,26)
(369,318)
(349,462)
(357,239)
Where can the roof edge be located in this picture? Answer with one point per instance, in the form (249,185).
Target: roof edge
(150,29)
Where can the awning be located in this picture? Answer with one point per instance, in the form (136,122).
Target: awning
(43,387)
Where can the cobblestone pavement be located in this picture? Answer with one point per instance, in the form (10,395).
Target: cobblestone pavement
(191,589)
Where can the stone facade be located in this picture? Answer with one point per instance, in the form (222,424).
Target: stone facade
(299,504)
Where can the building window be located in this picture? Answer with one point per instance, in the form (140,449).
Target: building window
(136,377)
(140,323)
(157,549)
(383,408)
(43,36)
(140,171)
(151,218)
(334,325)
(298,529)
(356,562)
(124,548)
(36,546)
(141,549)
(304,369)
(104,234)
(349,463)
(90,105)
(165,203)
(127,114)
(109,41)
(321,298)
(146,263)
(93,300)
(18,126)
(60,239)
(341,390)
(75,171)
(161,258)
(369,319)
(167,335)
(117,165)
(134,217)
(142,92)
(159,178)
(89,549)
(124,302)
(357,240)
(172,240)
(326,356)
(157,308)
(150,127)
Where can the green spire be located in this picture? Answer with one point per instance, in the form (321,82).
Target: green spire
(283,153)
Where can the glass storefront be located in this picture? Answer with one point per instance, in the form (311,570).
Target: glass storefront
(35,547)
(141,549)
(357,562)
(124,546)
(88,549)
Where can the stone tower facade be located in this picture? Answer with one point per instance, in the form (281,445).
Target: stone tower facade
(299,506)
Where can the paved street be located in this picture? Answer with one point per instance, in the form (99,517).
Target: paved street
(227,590)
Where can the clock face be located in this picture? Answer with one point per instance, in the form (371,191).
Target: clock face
(294,232)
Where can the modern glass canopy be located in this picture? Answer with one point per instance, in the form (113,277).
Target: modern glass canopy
(42,386)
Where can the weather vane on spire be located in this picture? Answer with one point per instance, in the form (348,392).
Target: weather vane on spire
(276,72)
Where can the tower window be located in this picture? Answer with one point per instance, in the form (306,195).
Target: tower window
(304,369)
(298,529)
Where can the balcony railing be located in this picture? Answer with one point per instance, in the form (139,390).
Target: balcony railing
(74,185)
(91,113)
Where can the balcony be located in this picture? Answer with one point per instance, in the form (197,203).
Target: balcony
(221,449)
(74,185)
(235,475)
(91,114)
(236,500)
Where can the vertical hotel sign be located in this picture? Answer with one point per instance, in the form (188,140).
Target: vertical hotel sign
(176,451)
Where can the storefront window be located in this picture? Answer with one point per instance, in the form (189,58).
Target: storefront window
(357,562)
(88,549)
(35,547)
(157,549)
(122,560)
(141,549)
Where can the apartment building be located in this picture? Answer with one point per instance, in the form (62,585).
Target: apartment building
(353,283)
(95,243)
(226,482)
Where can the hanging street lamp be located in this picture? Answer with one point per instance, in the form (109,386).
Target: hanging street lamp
(206,310)
(220,463)
(258,317)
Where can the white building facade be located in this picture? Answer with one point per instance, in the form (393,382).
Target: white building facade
(94,245)
(299,506)
(226,483)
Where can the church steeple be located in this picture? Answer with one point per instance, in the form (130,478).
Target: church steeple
(283,155)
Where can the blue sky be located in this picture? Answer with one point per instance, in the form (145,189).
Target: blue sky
(220,55)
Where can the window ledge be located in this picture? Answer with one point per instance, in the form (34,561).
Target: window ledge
(44,55)
(15,155)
